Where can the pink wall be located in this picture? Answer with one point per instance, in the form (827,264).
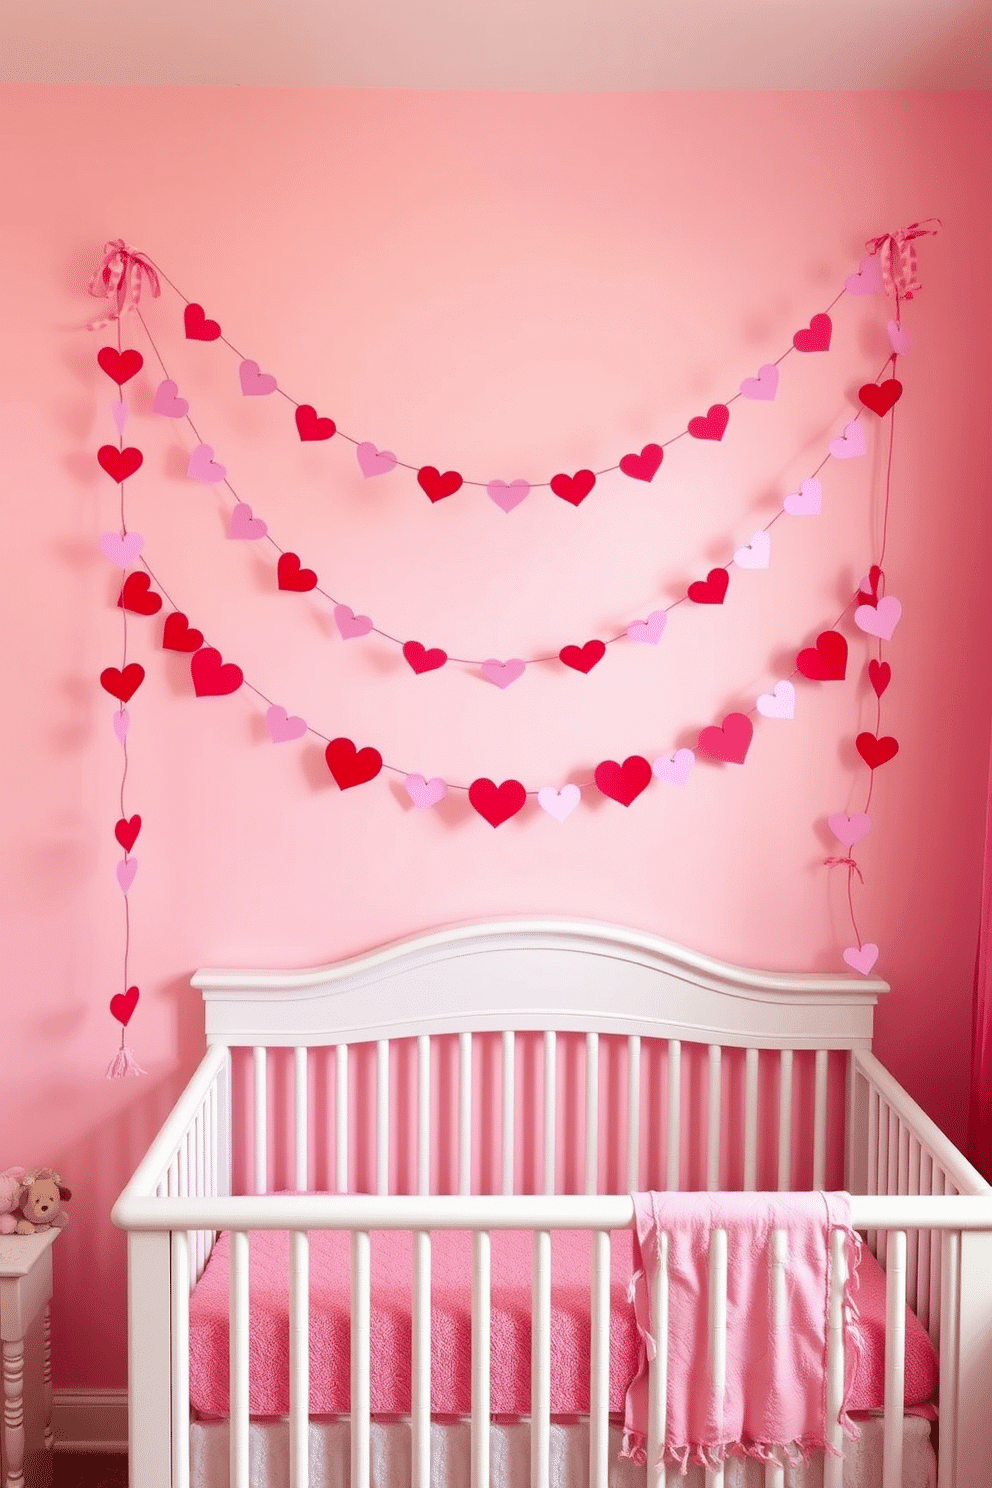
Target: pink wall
(508,285)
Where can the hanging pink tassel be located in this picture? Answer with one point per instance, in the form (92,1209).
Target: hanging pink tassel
(124,1063)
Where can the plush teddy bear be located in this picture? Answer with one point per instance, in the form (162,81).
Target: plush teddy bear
(41,1197)
(10,1197)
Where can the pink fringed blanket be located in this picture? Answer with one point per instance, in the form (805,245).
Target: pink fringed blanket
(776,1364)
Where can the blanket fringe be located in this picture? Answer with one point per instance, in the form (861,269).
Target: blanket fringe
(683,1455)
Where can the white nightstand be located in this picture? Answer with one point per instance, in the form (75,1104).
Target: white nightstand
(25,1292)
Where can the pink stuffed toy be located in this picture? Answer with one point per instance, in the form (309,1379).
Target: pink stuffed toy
(10,1198)
(40,1202)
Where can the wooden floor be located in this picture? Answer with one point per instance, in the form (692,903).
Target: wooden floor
(90,1470)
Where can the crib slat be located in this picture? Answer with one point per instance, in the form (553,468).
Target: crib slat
(674,1155)
(423,1114)
(874,1136)
(892,1179)
(950,1286)
(361,1321)
(180,1359)
(925,1248)
(299,1359)
(382,1116)
(774,1474)
(633,1113)
(599,1362)
(481,1342)
(261,1121)
(592,1113)
(913,1239)
(238,1333)
(785,1119)
(301,1174)
(550,1096)
(341,1116)
(509,1110)
(750,1119)
(938,1246)
(820,1118)
(658,1370)
(833,1466)
(464,1113)
(895,1358)
(420,1363)
(199,1163)
(540,1365)
(713,1120)
(718,1337)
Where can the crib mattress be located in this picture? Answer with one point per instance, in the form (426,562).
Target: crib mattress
(451,1331)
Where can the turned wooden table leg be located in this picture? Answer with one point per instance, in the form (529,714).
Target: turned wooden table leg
(46,1325)
(13,1411)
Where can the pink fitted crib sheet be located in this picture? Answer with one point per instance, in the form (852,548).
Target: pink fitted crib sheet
(451,1326)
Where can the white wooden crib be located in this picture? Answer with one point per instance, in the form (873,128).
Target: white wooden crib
(739,1051)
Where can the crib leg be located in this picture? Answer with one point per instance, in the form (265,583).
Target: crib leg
(149,1360)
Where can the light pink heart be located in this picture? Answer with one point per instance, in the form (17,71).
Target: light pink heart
(675,770)
(757,553)
(372,461)
(868,279)
(862,959)
(559,803)
(350,624)
(121,550)
(255,384)
(122,722)
(502,673)
(850,444)
(243,524)
(282,727)
(806,501)
(650,630)
(126,869)
(507,496)
(779,703)
(899,338)
(425,792)
(203,467)
(764,386)
(849,829)
(119,412)
(167,401)
(881,619)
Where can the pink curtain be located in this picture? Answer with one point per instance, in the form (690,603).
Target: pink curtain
(980,1105)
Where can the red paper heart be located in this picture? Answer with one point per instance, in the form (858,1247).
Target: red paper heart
(137,597)
(625,782)
(178,635)
(875,751)
(583,658)
(292,576)
(122,684)
(126,831)
(312,427)
(827,660)
(119,464)
(436,485)
(198,327)
(123,1005)
(879,675)
(729,743)
(874,579)
(351,766)
(497,803)
(882,396)
(573,488)
(817,337)
(711,426)
(644,466)
(712,589)
(120,366)
(422,660)
(211,676)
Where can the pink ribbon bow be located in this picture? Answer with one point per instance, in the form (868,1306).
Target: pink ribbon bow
(898,256)
(119,278)
(836,862)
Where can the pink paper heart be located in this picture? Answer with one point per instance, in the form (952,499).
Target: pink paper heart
(899,338)
(506,496)
(806,501)
(502,673)
(203,467)
(350,624)
(425,792)
(675,770)
(255,384)
(559,803)
(868,279)
(779,703)
(764,386)
(282,727)
(122,722)
(757,553)
(850,444)
(119,412)
(862,958)
(243,524)
(649,630)
(881,619)
(849,829)
(372,461)
(126,869)
(167,401)
(121,550)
